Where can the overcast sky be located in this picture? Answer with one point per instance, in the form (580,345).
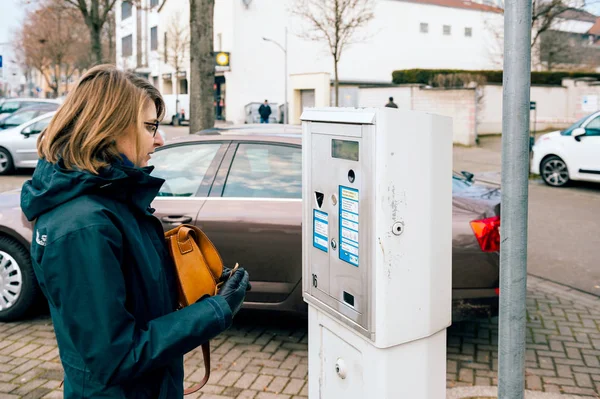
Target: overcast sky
(11,16)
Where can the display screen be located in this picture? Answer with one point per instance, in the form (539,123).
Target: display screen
(343,149)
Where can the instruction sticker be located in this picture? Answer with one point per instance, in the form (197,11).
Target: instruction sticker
(320,230)
(349,225)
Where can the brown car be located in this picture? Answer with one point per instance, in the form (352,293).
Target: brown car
(243,187)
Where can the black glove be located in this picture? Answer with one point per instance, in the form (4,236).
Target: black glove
(234,290)
(227,273)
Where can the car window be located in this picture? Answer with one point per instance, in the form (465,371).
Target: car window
(593,128)
(265,171)
(9,106)
(19,118)
(459,184)
(39,126)
(183,168)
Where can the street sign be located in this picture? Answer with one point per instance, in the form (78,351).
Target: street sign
(532,105)
(222,61)
(589,103)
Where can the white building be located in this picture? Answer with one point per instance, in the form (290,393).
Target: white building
(451,34)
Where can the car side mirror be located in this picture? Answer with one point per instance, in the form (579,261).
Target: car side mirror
(469,176)
(27,131)
(577,133)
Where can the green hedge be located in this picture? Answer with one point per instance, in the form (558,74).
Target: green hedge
(425,76)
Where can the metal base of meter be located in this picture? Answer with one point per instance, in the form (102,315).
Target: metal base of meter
(345,364)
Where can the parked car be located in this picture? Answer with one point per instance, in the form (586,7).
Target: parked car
(571,154)
(18,145)
(12,105)
(243,188)
(26,114)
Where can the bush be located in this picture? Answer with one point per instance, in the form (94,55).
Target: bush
(430,76)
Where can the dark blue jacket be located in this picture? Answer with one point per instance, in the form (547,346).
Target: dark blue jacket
(101,260)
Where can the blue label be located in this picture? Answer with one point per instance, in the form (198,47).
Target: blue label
(320,230)
(348,210)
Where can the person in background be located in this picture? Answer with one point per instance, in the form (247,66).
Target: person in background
(265,112)
(391,103)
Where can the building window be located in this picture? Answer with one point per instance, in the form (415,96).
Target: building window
(126,10)
(154,38)
(167,86)
(127,46)
(447,30)
(424,27)
(468,32)
(153,3)
(155,81)
(183,86)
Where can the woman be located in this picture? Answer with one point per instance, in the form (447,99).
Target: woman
(100,255)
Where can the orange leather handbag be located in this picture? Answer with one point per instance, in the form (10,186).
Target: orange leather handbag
(199,268)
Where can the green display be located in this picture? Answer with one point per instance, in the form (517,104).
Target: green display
(343,149)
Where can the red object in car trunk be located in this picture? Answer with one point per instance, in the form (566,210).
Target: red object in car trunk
(487,232)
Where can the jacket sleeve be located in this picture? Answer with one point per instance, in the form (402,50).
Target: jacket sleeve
(84,282)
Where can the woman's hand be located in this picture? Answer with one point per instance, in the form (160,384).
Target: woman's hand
(234,290)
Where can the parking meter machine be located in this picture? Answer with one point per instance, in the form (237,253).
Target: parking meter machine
(377,249)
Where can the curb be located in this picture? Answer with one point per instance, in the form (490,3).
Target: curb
(480,392)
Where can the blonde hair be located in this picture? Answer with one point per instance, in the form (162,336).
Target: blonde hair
(105,104)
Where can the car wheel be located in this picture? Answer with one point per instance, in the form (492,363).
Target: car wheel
(19,289)
(554,171)
(6,162)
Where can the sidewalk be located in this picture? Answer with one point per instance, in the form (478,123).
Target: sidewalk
(263,357)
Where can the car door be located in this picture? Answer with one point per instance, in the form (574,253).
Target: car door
(588,150)
(188,170)
(26,155)
(253,216)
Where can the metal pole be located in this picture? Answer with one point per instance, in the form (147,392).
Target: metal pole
(515,173)
(285,107)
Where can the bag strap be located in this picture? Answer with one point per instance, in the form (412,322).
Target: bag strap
(206,356)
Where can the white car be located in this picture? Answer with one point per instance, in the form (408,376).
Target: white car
(571,154)
(18,146)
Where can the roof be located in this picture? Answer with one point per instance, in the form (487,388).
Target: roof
(464,4)
(277,133)
(578,15)
(595,30)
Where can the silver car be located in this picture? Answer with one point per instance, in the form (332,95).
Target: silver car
(18,145)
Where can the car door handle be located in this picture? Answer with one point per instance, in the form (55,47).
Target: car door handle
(176,219)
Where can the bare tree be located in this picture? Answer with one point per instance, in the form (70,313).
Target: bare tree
(202,67)
(567,50)
(95,13)
(53,41)
(335,22)
(547,16)
(177,49)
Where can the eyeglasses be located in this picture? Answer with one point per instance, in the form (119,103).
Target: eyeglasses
(152,127)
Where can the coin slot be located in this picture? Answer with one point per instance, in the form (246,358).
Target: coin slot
(349,299)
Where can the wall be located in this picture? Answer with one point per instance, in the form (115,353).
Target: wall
(319,82)
(459,104)
(557,107)
(374,97)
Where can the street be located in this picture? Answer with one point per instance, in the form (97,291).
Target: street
(262,357)
(564,244)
